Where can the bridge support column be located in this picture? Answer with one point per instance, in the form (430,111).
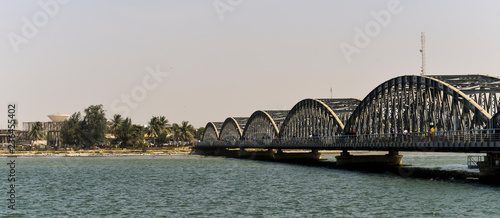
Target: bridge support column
(391,159)
(314,155)
(242,153)
(225,152)
(256,154)
(490,167)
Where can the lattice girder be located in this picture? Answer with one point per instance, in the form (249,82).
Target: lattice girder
(211,132)
(264,124)
(232,129)
(311,117)
(413,103)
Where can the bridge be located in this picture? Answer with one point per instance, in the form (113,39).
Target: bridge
(440,113)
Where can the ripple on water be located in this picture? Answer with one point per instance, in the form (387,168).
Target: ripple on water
(203,187)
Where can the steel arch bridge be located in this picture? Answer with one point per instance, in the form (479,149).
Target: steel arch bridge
(463,110)
(413,103)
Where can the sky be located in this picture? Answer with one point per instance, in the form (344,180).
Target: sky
(206,60)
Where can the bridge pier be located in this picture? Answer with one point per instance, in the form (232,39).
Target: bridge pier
(225,152)
(258,155)
(391,159)
(296,156)
(490,167)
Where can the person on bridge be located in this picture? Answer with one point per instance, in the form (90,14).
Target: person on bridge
(431,131)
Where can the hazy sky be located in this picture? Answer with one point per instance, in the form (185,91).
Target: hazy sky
(206,60)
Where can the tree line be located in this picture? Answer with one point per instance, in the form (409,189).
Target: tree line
(93,129)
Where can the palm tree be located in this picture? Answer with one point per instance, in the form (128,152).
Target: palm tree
(114,128)
(123,132)
(117,122)
(157,126)
(136,136)
(183,132)
(151,133)
(37,132)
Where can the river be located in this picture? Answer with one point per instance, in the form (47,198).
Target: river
(193,186)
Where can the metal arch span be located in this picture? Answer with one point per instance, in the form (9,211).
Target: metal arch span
(342,107)
(211,132)
(232,129)
(413,103)
(264,124)
(311,117)
(483,89)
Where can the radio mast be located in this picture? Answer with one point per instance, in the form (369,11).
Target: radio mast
(422,50)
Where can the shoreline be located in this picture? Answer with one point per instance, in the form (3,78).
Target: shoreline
(98,153)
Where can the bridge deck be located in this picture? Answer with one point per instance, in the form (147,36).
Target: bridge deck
(472,141)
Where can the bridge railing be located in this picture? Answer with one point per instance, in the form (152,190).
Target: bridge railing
(461,136)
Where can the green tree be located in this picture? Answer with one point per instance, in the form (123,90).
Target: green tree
(163,138)
(136,136)
(93,126)
(71,130)
(183,132)
(116,123)
(114,128)
(199,133)
(157,126)
(130,135)
(123,132)
(37,132)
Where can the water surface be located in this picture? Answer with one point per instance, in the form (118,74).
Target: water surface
(187,186)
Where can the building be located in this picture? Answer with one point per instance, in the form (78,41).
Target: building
(52,128)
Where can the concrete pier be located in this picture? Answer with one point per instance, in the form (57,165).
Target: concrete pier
(490,167)
(261,154)
(257,155)
(391,159)
(294,156)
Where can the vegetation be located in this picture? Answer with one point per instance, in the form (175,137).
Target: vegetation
(184,132)
(130,135)
(93,126)
(37,132)
(116,124)
(71,130)
(158,126)
(199,133)
(91,130)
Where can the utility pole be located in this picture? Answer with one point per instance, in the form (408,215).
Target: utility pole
(422,50)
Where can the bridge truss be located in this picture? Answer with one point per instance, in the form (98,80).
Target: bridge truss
(414,103)
(264,124)
(448,102)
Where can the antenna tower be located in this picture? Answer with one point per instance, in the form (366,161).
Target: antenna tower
(422,50)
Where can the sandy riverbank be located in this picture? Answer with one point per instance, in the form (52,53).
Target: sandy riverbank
(89,153)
